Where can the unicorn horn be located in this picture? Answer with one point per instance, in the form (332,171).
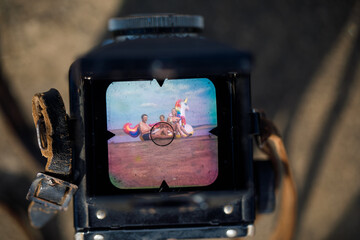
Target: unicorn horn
(185,101)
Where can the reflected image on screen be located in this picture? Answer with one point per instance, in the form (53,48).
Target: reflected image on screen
(162,133)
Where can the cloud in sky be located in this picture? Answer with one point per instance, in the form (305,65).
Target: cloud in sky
(148,105)
(196,92)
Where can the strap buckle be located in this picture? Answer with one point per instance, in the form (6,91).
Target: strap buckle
(51,192)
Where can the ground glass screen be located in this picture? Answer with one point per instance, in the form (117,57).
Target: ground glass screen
(162,133)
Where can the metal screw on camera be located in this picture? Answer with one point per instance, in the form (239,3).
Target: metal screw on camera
(231,233)
(99,237)
(100,214)
(228,209)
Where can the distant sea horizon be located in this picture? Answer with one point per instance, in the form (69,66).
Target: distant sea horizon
(121,136)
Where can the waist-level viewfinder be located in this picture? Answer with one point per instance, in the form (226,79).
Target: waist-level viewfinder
(161,126)
(165,133)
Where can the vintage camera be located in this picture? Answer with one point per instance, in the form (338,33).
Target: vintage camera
(161,126)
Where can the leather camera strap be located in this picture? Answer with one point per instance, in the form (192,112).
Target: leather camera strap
(270,142)
(51,191)
(51,123)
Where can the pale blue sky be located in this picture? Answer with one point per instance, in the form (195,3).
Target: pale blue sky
(127,101)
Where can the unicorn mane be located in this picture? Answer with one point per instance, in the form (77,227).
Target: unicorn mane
(180,107)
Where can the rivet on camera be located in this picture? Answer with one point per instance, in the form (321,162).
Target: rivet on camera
(231,233)
(98,237)
(228,209)
(100,214)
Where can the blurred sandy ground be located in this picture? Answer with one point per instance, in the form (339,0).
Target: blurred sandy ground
(306,77)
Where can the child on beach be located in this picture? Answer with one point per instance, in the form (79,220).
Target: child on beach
(174,121)
(165,127)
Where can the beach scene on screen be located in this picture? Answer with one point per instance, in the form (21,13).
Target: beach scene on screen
(142,113)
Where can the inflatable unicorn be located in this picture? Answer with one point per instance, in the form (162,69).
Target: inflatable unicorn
(180,106)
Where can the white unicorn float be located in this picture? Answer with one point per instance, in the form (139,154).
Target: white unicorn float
(181,107)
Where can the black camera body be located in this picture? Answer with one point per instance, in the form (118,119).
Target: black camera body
(199,184)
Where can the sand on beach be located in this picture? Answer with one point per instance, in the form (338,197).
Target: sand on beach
(189,161)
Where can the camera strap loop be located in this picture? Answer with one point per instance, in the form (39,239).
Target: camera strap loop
(51,192)
(51,123)
(270,142)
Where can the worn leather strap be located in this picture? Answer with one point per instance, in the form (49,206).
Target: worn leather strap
(285,227)
(272,145)
(51,122)
(50,192)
